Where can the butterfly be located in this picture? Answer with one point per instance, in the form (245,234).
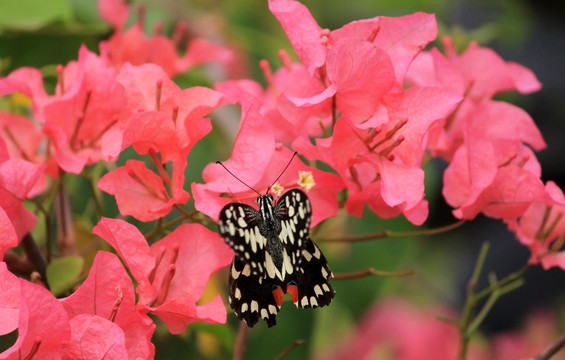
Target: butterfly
(274,255)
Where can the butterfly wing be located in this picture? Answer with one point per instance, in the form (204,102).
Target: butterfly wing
(239,227)
(314,289)
(294,212)
(250,292)
(250,296)
(311,273)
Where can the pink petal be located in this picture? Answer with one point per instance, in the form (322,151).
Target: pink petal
(130,245)
(139,192)
(20,176)
(201,253)
(116,12)
(362,74)
(201,51)
(10,294)
(8,236)
(94,337)
(402,38)
(302,31)
(511,192)
(22,219)
(500,120)
(421,108)
(472,169)
(152,130)
(107,290)
(43,324)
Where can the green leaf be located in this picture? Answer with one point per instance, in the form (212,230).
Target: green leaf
(31,15)
(62,273)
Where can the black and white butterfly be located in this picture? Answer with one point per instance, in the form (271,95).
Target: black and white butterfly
(274,255)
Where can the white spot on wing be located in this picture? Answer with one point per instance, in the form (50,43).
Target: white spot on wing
(254,306)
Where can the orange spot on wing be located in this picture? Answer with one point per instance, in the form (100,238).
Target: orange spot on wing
(293,291)
(278,294)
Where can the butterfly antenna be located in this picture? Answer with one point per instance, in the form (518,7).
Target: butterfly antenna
(282,172)
(238,179)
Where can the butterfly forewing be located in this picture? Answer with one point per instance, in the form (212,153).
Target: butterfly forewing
(294,213)
(239,227)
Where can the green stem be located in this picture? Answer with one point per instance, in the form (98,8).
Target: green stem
(470,302)
(468,325)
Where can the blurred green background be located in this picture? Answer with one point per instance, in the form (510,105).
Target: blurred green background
(45,33)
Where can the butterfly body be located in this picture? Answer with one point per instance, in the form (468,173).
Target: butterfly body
(274,255)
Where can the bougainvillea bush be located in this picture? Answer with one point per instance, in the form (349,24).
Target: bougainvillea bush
(110,191)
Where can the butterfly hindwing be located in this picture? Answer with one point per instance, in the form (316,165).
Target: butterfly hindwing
(250,297)
(314,290)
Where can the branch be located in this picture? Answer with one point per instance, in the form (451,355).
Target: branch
(289,348)
(239,348)
(371,271)
(552,349)
(469,325)
(384,233)
(35,257)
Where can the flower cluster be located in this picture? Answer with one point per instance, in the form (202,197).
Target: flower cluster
(365,107)
(102,105)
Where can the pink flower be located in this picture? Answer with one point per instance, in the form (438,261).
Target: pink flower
(103,314)
(116,12)
(358,63)
(8,236)
(171,275)
(475,167)
(395,329)
(510,193)
(19,181)
(286,119)
(134,47)
(381,164)
(477,74)
(257,160)
(42,323)
(141,193)
(541,228)
(160,116)
(85,108)
(535,335)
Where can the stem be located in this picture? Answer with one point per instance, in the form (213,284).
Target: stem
(470,302)
(96,196)
(552,349)
(508,279)
(372,271)
(289,348)
(384,233)
(35,256)
(239,348)
(467,325)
